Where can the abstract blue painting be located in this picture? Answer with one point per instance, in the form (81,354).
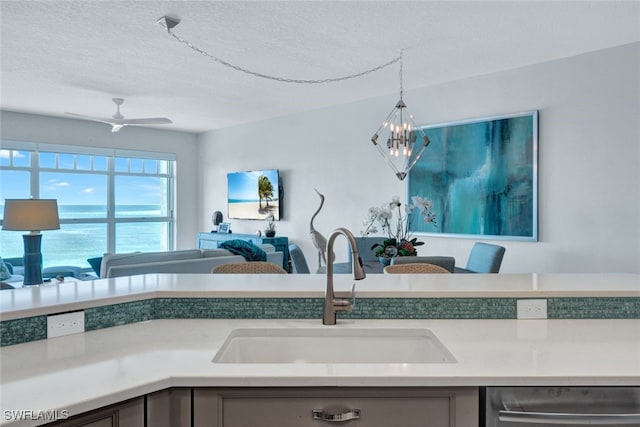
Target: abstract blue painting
(482,177)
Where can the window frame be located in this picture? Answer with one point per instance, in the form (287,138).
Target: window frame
(111,220)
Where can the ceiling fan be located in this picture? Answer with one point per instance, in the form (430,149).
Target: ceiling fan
(117,121)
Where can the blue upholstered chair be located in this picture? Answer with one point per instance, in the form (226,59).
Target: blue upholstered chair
(298,261)
(364,248)
(483,258)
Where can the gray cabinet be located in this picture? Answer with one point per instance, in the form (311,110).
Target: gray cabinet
(169,408)
(314,407)
(166,408)
(124,414)
(290,407)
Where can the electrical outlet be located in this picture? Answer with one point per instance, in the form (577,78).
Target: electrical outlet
(59,325)
(532,308)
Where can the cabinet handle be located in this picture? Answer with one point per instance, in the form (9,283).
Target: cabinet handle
(568,418)
(321,415)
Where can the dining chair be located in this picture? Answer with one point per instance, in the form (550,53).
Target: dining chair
(298,260)
(417,268)
(364,248)
(446,262)
(483,258)
(251,267)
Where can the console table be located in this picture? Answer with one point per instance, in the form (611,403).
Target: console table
(213,240)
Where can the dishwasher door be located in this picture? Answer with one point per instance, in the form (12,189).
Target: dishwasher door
(562,406)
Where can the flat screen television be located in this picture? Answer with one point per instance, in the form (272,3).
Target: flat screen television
(254,194)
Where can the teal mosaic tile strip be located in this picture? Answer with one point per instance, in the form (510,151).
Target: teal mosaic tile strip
(118,314)
(433,308)
(238,308)
(311,308)
(593,308)
(19,331)
(35,328)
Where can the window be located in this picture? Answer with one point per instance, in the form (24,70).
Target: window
(108,200)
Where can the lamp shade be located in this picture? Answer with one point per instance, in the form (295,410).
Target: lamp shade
(30,215)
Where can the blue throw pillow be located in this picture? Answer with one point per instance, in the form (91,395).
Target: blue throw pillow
(4,271)
(95,263)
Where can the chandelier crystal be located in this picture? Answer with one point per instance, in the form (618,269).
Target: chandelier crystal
(399,135)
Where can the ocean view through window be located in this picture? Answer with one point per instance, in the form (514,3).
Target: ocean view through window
(109,201)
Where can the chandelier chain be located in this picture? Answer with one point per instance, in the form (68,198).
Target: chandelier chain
(288,80)
(401,57)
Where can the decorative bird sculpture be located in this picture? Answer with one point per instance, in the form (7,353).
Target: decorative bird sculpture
(319,241)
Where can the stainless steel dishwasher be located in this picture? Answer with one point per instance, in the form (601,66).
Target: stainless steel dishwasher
(562,406)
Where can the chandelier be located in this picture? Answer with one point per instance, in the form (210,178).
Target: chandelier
(399,134)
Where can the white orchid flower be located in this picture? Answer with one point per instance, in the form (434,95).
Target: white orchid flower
(395,201)
(430,218)
(385,214)
(381,218)
(422,203)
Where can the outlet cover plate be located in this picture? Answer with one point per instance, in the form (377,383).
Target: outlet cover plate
(532,308)
(59,325)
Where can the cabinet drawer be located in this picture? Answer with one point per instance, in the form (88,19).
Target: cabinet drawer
(373,412)
(288,407)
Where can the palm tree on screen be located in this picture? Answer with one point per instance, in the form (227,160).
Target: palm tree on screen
(265,189)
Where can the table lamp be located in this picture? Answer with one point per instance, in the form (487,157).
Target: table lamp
(33,215)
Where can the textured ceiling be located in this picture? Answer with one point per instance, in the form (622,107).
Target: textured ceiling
(75,56)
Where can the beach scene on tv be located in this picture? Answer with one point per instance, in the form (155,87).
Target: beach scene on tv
(253,195)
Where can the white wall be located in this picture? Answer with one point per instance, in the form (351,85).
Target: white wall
(589,135)
(54,130)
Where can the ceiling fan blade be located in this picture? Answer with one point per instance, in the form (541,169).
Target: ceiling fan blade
(91,118)
(147,121)
(117,122)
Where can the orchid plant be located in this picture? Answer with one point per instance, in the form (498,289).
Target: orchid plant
(400,241)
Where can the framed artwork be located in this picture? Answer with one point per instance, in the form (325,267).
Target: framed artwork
(482,176)
(224,227)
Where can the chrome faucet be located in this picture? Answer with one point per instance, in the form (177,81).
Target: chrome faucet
(331,304)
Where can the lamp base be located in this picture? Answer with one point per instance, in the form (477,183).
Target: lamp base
(32,259)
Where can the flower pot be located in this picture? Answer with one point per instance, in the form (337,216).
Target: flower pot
(384,260)
(270,233)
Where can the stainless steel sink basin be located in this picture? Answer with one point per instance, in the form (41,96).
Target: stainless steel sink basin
(331,345)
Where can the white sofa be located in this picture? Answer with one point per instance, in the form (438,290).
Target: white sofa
(186,261)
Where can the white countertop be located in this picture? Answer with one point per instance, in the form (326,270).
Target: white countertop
(47,299)
(86,371)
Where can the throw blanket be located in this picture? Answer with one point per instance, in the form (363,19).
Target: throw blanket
(247,249)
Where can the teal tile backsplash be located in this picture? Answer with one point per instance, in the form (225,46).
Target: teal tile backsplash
(23,330)
(35,328)
(118,314)
(593,308)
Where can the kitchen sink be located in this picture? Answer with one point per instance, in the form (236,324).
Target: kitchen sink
(331,345)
